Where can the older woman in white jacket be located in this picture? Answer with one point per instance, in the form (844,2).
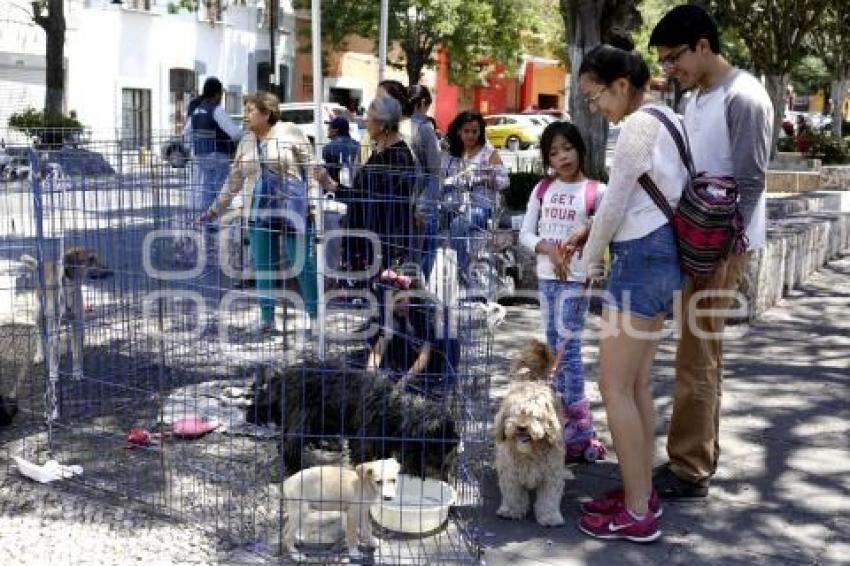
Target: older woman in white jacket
(270,173)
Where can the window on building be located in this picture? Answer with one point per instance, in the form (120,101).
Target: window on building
(144,5)
(281,87)
(283,83)
(307,85)
(181,89)
(264,76)
(233,100)
(135,118)
(211,11)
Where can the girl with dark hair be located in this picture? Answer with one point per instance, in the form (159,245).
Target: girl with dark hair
(426,148)
(645,276)
(560,204)
(473,172)
(398,91)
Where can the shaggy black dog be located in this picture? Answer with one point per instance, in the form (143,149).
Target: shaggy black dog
(325,410)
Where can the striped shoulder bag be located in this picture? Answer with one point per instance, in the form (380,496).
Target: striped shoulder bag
(707,222)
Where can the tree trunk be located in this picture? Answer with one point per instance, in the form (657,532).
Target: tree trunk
(414,63)
(776,86)
(54,29)
(582,21)
(839,95)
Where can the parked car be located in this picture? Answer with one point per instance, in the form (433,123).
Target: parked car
(302,115)
(512,131)
(18,167)
(176,152)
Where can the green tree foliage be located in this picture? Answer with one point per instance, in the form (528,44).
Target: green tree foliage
(472,31)
(651,12)
(776,32)
(810,75)
(832,45)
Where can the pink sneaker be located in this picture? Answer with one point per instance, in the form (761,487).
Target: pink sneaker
(621,526)
(614,501)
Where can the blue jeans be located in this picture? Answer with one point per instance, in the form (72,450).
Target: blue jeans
(463,229)
(565,302)
(645,274)
(211,171)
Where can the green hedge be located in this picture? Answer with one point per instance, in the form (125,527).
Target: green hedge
(517,193)
(829,149)
(50,129)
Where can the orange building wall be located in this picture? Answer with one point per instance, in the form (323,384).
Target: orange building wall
(547,79)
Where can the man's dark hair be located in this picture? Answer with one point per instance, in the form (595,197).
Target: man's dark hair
(686,25)
(212,88)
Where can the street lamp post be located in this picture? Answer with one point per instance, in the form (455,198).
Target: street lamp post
(382,40)
(319,129)
(273,10)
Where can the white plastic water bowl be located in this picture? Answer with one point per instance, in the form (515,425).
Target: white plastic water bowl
(420,506)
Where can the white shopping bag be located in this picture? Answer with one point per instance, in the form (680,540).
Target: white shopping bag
(445,286)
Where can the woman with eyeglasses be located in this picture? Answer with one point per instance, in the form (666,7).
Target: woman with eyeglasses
(644,277)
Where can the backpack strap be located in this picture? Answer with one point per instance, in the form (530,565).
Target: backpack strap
(656,195)
(681,142)
(542,187)
(591,189)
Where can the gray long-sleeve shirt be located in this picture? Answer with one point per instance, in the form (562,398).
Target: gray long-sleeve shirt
(426,149)
(731,128)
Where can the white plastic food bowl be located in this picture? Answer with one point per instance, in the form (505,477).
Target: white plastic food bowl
(420,506)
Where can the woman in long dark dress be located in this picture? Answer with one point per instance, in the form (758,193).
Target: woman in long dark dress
(381,200)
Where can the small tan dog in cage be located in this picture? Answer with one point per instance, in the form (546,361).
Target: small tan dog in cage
(62,297)
(335,488)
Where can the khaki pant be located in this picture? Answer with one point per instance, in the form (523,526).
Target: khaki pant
(693,442)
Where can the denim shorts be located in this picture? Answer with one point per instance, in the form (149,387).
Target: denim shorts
(645,274)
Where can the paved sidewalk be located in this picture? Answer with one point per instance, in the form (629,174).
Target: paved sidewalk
(782,494)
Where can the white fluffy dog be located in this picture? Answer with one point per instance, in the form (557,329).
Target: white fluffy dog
(530,443)
(335,488)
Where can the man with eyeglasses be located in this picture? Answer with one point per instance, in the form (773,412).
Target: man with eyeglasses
(729,119)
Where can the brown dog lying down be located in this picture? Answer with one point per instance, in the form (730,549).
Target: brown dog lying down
(62,300)
(339,488)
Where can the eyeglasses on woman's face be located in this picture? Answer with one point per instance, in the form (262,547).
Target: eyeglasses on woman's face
(592,100)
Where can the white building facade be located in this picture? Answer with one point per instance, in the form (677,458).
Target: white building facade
(131,68)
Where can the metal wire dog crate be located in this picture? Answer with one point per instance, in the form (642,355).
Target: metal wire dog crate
(183,404)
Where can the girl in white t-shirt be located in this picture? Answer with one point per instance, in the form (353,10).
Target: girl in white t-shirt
(558,205)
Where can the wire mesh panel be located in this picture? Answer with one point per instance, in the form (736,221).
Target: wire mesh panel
(304,374)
